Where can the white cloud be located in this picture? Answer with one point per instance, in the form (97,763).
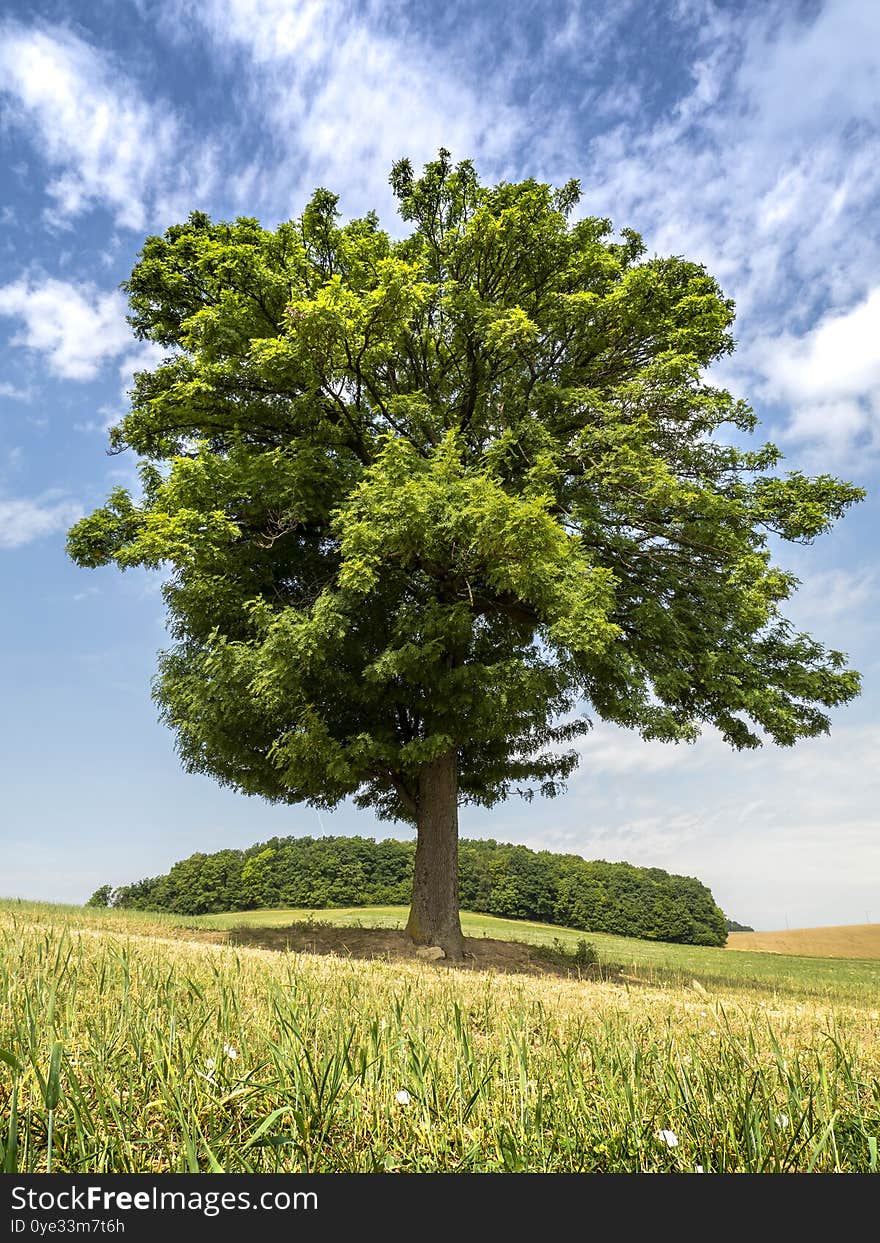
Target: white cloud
(344,97)
(141,356)
(838,595)
(829,377)
(608,751)
(838,604)
(106,142)
(744,170)
(77,328)
(13,392)
(766,171)
(24,519)
(833,59)
(144,357)
(778,833)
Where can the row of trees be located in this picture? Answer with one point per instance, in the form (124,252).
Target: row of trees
(498,879)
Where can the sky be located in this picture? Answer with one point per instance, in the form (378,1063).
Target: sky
(742,135)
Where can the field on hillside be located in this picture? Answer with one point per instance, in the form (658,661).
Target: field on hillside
(125,1045)
(653,961)
(848,941)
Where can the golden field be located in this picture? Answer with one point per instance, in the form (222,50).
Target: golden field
(846,941)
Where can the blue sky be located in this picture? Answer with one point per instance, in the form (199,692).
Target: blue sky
(744,136)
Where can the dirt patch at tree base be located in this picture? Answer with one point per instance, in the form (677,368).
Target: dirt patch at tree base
(390,944)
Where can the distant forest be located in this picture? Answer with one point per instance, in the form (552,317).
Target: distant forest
(495,879)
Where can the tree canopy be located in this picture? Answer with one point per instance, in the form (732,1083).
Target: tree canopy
(495,878)
(440,499)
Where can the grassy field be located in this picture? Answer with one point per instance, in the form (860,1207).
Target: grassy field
(127,1046)
(848,941)
(654,961)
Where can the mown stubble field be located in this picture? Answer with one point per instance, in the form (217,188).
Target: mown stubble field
(848,941)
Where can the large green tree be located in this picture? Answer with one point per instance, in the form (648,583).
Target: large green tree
(425,503)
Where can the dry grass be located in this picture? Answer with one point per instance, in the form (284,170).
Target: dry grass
(849,941)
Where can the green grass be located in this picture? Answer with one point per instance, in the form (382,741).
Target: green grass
(841,979)
(126,1047)
(658,961)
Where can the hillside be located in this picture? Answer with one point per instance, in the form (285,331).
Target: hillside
(845,941)
(646,961)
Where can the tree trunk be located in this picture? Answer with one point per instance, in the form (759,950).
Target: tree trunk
(433,917)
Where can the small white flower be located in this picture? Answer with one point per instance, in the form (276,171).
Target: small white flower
(669,1138)
(403,1097)
(210,1064)
(782,1120)
(713,1032)
(230,1051)
(699,1170)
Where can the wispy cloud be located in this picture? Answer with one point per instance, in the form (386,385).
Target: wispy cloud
(833,594)
(829,377)
(142,358)
(14,392)
(611,752)
(776,832)
(106,143)
(76,328)
(739,165)
(341,96)
(25,519)
(759,170)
